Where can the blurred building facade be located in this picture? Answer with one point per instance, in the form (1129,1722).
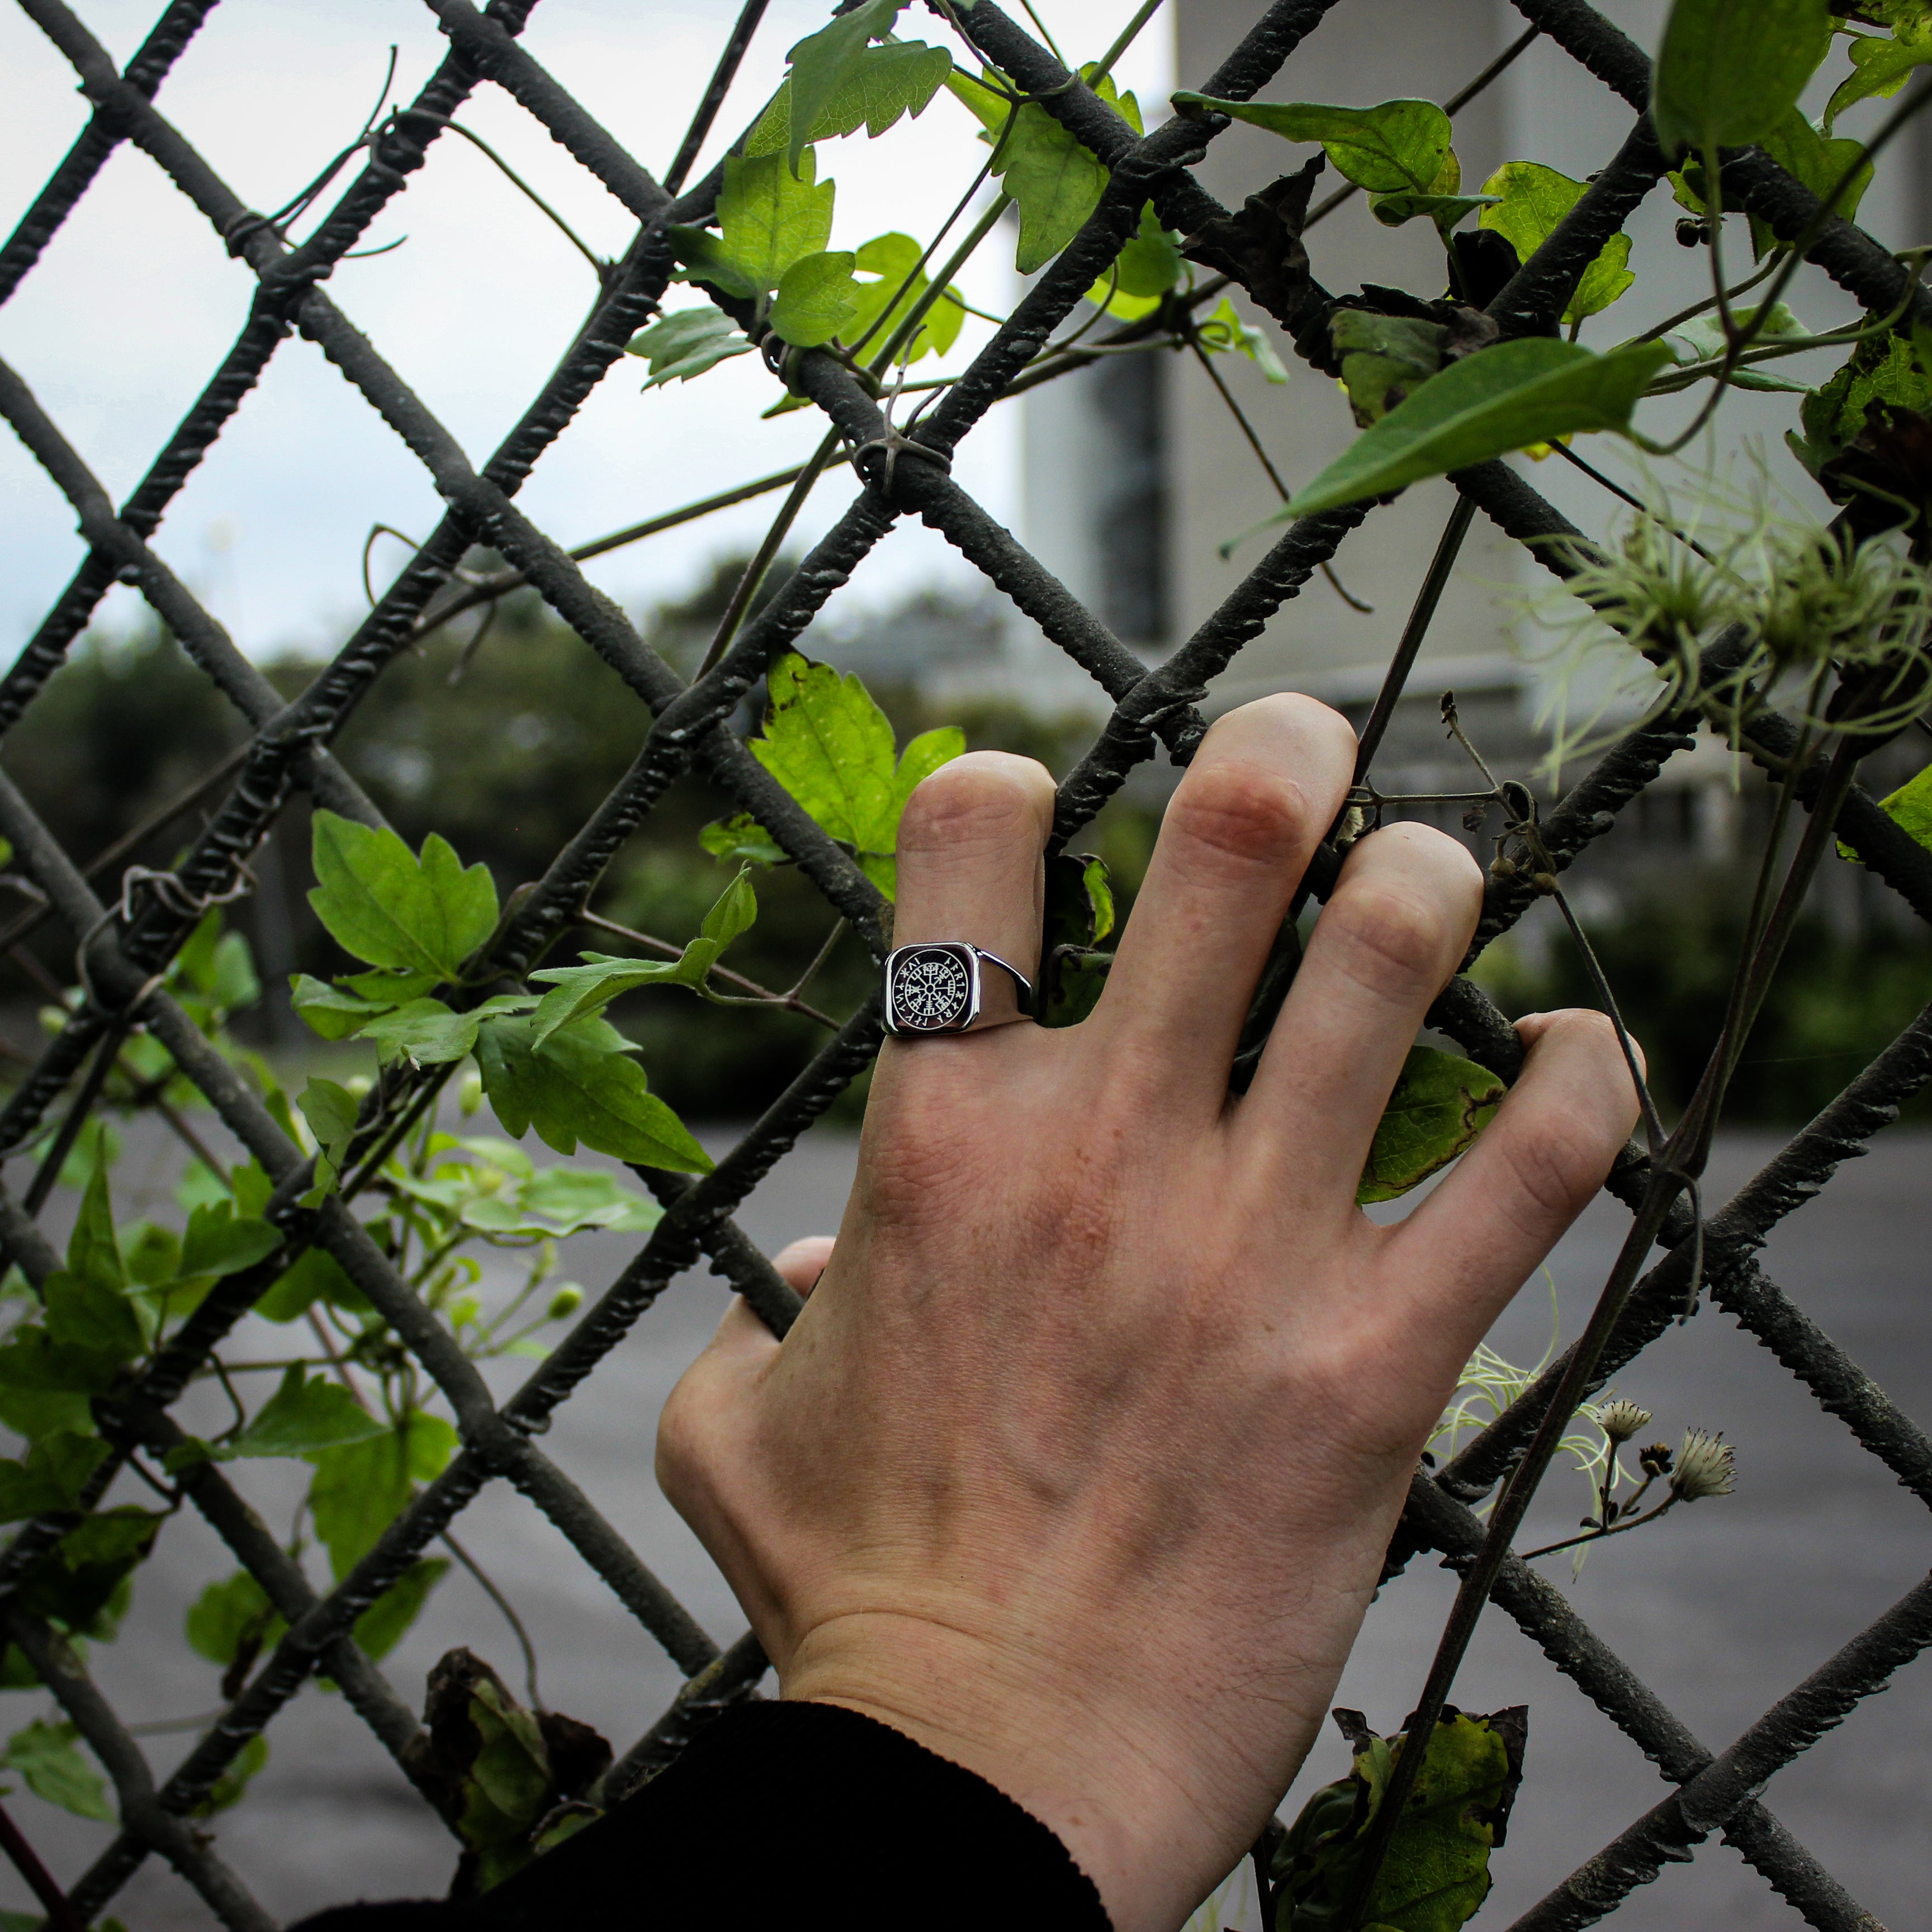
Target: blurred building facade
(1134,472)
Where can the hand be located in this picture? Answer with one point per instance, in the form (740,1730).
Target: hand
(1079,1465)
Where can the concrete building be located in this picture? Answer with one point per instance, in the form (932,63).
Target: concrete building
(1135,472)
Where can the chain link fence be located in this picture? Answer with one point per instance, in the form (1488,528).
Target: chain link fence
(126,945)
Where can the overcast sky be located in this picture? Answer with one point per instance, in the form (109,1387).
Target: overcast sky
(135,301)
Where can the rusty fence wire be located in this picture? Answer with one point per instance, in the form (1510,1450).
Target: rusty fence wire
(685,725)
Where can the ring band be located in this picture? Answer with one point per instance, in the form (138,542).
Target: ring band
(938,988)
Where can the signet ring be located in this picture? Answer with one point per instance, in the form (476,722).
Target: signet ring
(940,987)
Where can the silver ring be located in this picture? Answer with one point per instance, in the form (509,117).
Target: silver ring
(938,987)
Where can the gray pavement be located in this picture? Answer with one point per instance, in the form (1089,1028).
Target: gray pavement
(1720,1608)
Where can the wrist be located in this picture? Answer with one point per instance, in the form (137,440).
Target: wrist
(1139,1811)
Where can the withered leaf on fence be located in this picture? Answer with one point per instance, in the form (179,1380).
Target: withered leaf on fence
(501,1774)
(1436,1872)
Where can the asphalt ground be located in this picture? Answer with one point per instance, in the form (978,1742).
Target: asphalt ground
(1721,1608)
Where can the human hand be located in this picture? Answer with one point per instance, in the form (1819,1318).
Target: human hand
(1079,1465)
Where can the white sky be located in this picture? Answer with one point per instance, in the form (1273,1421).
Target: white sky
(133,304)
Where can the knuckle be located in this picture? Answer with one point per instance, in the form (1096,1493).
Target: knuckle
(1230,821)
(1559,1170)
(982,799)
(1389,940)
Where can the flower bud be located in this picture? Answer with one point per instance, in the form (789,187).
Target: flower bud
(1621,1420)
(1656,1460)
(1704,1468)
(567,1300)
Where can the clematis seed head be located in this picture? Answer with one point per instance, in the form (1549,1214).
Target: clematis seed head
(1621,1420)
(1704,1467)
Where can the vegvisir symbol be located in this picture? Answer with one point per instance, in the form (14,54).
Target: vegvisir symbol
(930,990)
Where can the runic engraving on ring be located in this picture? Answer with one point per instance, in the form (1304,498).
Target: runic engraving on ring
(938,988)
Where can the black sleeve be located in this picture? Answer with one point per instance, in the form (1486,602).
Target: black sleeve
(785,1814)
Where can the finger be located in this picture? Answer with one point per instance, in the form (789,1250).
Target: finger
(802,1262)
(971,843)
(1481,1234)
(1266,784)
(1384,945)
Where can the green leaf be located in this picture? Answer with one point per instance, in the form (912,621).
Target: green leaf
(302,1417)
(330,1110)
(357,1489)
(816,295)
(1504,398)
(742,837)
(705,259)
(768,219)
(45,1756)
(1798,148)
(831,747)
(1440,1105)
(1702,341)
(583,992)
(1079,915)
(329,1010)
(922,757)
(825,63)
(228,1789)
(218,1242)
(581,1085)
(36,1368)
(686,343)
(893,259)
(884,83)
(386,1621)
(236,984)
(315,1274)
(560,1200)
(53,1477)
(100,1322)
(1394,146)
(427,1033)
(37,1412)
(1444,210)
(82,1583)
(1886,371)
(1729,70)
(391,908)
(1910,807)
(1436,1871)
(231,1615)
(93,1252)
(1143,270)
(1879,66)
(1383,358)
(1224,330)
(734,911)
(429,1442)
(1530,200)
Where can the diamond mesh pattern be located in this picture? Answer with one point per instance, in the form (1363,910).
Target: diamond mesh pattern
(125,946)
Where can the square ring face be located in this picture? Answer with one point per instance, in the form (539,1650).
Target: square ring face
(932,988)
